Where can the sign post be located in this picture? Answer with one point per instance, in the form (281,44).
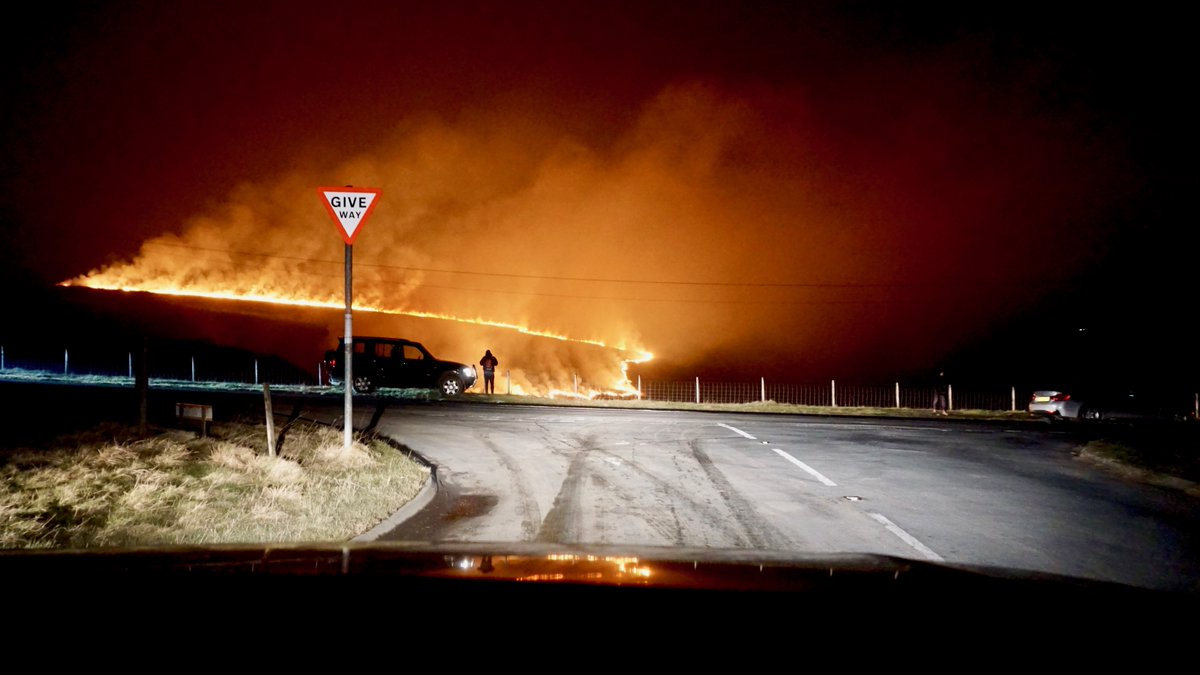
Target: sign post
(349,207)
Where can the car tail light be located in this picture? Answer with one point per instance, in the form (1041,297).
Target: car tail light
(1061,397)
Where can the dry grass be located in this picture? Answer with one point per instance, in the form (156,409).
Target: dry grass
(110,487)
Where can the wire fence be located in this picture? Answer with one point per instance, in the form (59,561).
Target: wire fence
(161,364)
(205,365)
(832,394)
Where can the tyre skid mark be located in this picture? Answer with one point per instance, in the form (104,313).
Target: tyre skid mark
(531,515)
(732,520)
(761,533)
(563,522)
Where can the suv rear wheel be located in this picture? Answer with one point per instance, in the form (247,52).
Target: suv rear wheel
(363,384)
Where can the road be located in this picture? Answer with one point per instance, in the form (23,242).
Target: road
(976,493)
(979,494)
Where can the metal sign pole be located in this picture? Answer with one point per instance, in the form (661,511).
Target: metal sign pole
(347,383)
(349,208)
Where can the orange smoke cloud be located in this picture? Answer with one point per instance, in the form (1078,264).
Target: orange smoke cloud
(735,226)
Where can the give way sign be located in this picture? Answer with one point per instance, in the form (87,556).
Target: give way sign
(349,208)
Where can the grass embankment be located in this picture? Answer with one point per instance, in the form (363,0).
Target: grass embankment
(114,487)
(1172,460)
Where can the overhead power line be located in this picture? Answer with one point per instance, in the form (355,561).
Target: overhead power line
(536,277)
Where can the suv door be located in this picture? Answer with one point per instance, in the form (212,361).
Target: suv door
(370,369)
(410,366)
(382,371)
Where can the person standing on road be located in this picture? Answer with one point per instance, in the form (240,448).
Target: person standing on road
(489,364)
(939,394)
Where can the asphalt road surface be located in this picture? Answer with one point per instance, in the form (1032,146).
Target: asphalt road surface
(1002,495)
(971,493)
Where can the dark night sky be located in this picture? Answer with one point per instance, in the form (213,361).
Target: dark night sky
(814,188)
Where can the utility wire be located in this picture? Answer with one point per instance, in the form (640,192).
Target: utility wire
(725,284)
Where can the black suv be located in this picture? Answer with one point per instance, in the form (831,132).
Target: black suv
(394,362)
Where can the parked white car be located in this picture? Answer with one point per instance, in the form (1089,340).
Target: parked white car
(1056,404)
(1114,405)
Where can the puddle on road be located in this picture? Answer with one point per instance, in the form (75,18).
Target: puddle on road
(470,506)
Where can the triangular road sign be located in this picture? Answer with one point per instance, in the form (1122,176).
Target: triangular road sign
(349,208)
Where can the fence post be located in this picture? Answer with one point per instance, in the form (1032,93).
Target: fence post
(193,369)
(763,384)
(142,382)
(639,387)
(1,357)
(697,390)
(949,397)
(131,365)
(833,393)
(576,375)
(65,360)
(1014,399)
(256,377)
(897,395)
(270,417)
(508,381)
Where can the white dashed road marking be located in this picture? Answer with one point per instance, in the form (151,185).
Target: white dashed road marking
(783,454)
(906,537)
(889,525)
(736,431)
(804,466)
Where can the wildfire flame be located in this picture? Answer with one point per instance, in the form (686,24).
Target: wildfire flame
(116,279)
(574,263)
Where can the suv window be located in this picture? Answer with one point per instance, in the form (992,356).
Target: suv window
(411,353)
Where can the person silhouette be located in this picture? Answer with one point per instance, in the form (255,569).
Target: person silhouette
(489,364)
(940,394)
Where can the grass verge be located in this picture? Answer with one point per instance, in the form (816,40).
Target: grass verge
(113,487)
